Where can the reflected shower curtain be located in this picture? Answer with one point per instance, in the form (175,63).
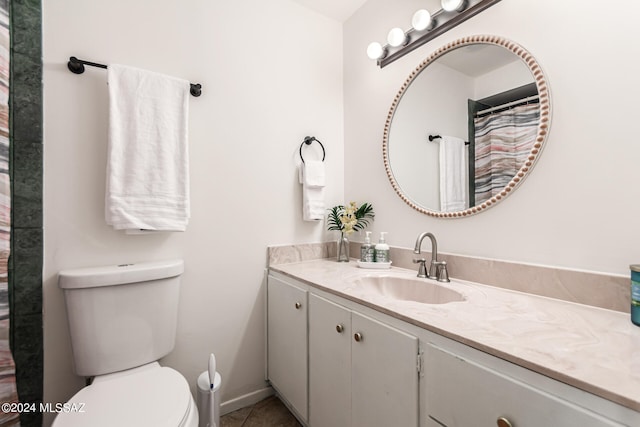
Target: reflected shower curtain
(7,367)
(502,144)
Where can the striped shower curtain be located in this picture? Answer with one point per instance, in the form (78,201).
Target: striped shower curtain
(503,141)
(7,367)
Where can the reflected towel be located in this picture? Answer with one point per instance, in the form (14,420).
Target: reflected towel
(453,174)
(148,162)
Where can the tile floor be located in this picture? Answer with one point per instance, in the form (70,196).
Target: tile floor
(269,412)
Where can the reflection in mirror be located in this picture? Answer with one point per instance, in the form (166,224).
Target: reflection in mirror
(466,127)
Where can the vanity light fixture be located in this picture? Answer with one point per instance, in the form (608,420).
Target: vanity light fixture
(376,51)
(421,20)
(425,28)
(397,37)
(453,5)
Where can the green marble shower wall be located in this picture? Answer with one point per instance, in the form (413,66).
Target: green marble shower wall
(25,263)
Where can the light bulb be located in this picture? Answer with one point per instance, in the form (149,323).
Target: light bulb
(375,50)
(421,20)
(396,37)
(453,5)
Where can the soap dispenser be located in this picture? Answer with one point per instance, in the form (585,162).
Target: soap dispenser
(382,249)
(367,251)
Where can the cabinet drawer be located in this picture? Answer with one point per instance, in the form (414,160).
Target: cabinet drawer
(462,393)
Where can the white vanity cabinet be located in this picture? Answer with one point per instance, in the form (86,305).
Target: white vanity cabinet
(464,393)
(362,373)
(339,363)
(287,343)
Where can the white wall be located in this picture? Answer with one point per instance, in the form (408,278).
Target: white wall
(510,76)
(580,206)
(271,74)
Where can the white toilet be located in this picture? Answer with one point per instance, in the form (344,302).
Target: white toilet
(123,319)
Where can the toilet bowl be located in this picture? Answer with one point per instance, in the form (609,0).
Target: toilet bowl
(122,320)
(150,395)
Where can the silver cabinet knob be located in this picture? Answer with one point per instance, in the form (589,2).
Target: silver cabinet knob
(298,305)
(503,422)
(340,328)
(358,336)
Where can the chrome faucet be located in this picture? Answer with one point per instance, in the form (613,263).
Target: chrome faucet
(437,269)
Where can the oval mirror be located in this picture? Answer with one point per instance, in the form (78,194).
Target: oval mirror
(466,127)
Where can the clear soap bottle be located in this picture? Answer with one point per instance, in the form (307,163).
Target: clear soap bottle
(367,251)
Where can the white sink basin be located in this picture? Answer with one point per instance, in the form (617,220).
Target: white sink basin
(407,289)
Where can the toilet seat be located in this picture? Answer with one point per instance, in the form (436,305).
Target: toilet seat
(149,395)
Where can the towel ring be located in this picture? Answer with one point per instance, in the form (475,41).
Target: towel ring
(308,140)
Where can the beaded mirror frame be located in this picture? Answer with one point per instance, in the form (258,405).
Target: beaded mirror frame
(536,149)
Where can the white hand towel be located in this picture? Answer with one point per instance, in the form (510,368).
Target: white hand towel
(453,174)
(148,159)
(313,173)
(312,203)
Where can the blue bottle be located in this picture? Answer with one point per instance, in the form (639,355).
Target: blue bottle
(635,293)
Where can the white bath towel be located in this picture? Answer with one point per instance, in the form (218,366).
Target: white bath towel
(148,159)
(313,175)
(453,174)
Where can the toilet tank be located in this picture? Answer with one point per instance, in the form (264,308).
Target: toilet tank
(121,316)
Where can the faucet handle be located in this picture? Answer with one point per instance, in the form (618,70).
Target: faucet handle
(443,274)
(422,270)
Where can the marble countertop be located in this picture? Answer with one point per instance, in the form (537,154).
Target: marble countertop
(591,348)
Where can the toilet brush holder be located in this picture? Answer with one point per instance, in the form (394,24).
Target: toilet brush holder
(204,399)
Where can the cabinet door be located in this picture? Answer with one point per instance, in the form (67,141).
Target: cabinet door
(287,342)
(329,364)
(384,375)
(462,393)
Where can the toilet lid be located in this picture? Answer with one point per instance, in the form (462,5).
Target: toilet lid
(158,397)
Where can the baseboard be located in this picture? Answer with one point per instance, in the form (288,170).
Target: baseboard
(245,400)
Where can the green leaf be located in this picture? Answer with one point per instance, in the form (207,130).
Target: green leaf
(333,219)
